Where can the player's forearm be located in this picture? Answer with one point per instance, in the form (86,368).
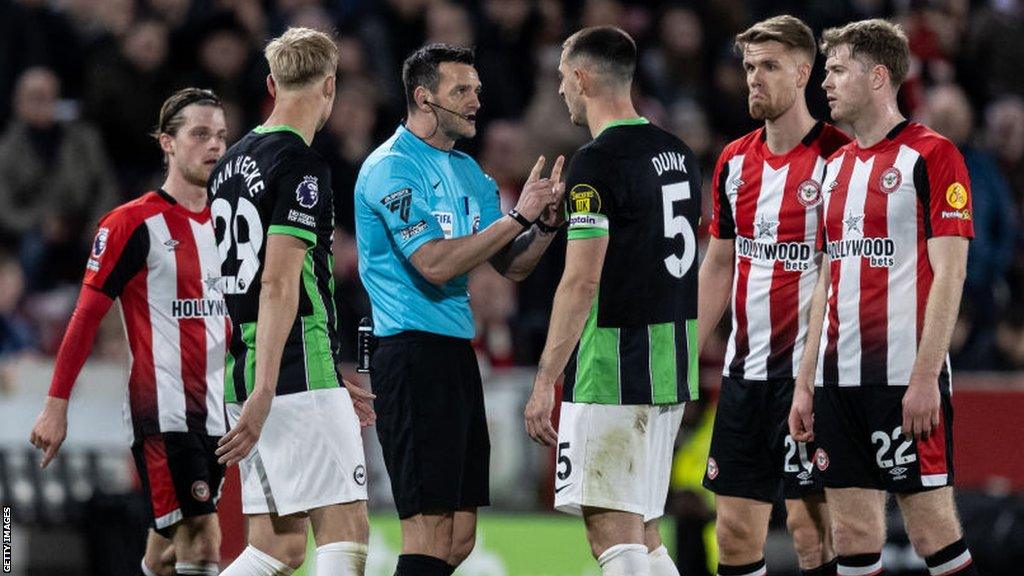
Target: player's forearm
(568,317)
(939,320)
(815,325)
(714,288)
(441,260)
(279,304)
(78,340)
(518,259)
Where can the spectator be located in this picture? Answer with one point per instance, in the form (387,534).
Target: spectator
(1004,119)
(349,137)
(449,23)
(676,68)
(55,183)
(124,94)
(948,112)
(994,52)
(16,338)
(226,65)
(505,57)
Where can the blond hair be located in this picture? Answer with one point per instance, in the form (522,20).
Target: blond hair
(879,41)
(787,30)
(300,56)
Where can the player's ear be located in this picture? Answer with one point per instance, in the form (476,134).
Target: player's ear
(271,87)
(166,143)
(803,71)
(582,80)
(329,86)
(879,76)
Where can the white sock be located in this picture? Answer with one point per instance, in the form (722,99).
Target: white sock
(661,563)
(146,570)
(252,562)
(341,559)
(625,560)
(200,569)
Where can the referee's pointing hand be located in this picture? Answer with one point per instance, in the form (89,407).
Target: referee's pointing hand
(539,193)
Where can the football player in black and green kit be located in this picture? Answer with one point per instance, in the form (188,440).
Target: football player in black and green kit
(625,312)
(295,426)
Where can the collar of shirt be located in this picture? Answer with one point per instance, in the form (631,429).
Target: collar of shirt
(421,146)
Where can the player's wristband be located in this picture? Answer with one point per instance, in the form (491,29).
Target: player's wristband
(520,218)
(545,229)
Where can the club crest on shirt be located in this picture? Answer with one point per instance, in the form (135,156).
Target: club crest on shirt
(890,180)
(99,244)
(809,193)
(584,198)
(308,191)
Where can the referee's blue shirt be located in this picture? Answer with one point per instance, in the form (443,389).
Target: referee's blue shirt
(407,194)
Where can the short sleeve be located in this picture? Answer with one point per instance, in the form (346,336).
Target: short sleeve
(490,201)
(944,188)
(723,223)
(589,196)
(119,251)
(303,199)
(396,194)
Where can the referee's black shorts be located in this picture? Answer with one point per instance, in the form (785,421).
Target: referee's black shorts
(431,422)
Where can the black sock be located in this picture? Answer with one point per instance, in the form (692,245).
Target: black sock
(859,562)
(953,559)
(826,569)
(752,569)
(422,565)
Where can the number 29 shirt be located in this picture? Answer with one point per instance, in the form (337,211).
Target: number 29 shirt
(640,186)
(271,182)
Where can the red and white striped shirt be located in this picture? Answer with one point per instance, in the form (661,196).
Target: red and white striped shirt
(771,205)
(161,261)
(882,204)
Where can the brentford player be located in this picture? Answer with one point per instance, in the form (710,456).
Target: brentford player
(764,252)
(157,256)
(897,220)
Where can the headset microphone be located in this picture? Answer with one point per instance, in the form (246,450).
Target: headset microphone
(448,110)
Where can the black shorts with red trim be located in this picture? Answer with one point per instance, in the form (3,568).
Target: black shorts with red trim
(861,444)
(180,475)
(752,454)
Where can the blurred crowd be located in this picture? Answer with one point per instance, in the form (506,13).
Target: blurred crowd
(81,83)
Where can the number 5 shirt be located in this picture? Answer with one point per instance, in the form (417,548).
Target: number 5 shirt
(640,186)
(271,182)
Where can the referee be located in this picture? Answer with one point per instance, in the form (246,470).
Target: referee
(425,216)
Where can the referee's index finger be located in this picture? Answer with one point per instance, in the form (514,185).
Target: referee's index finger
(537,167)
(556,170)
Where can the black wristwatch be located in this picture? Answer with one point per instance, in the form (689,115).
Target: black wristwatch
(520,218)
(545,229)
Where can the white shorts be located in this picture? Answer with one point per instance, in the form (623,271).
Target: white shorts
(615,457)
(309,455)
